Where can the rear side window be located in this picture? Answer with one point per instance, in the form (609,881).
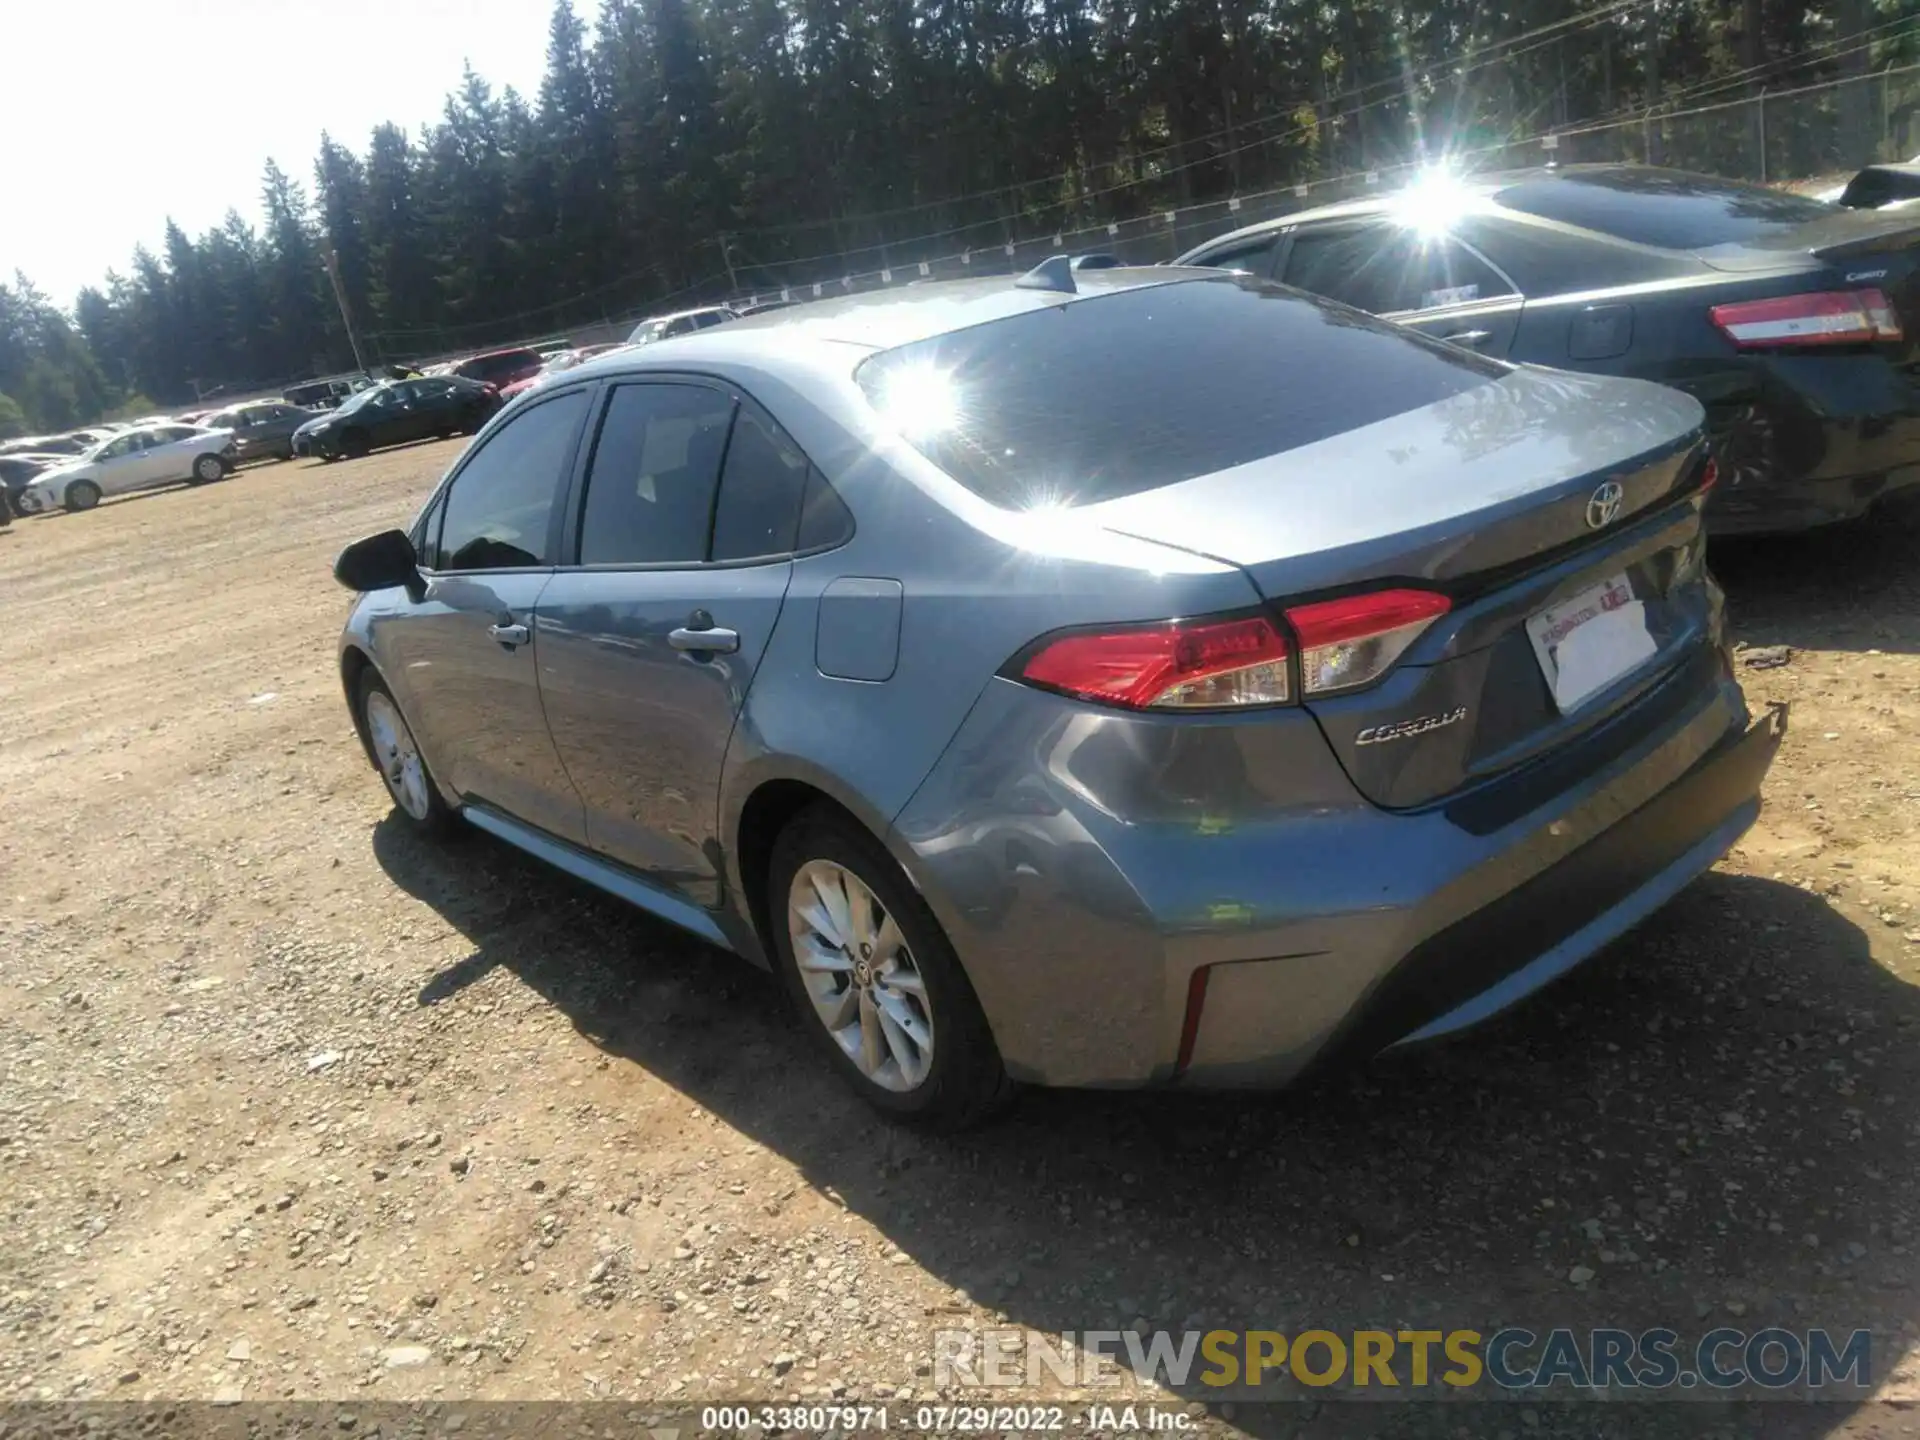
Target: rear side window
(1388,270)
(1129,391)
(498,511)
(761,491)
(1667,208)
(655,468)
(1255,256)
(825,520)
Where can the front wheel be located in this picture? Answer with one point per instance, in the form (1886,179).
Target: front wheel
(396,755)
(875,980)
(82,495)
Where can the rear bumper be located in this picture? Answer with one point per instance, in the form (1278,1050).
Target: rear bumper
(1325,928)
(1825,438)
(1464,974)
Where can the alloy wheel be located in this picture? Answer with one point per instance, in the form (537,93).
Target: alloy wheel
(397,755)
(860,974)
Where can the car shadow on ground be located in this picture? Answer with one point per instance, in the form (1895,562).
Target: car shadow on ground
(1714,1119)
(1841,587)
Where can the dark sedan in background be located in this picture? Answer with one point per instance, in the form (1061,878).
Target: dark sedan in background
(1792,320)
(433,407)
(262,430)
(19,471)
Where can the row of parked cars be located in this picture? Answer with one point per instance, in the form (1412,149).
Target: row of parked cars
(456,397)
(334,418)
(76,470)
(1159,675)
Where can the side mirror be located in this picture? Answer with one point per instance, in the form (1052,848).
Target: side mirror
(379,562)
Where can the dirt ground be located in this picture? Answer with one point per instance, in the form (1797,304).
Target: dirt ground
(293,1106)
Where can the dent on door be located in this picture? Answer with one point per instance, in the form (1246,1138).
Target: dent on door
(642,675)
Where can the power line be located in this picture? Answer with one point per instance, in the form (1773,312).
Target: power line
(1623,117)
(1788,65)
(1397,85)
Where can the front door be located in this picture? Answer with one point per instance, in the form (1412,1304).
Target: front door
(125,463)
(413,418)
(463,658)
(648,645)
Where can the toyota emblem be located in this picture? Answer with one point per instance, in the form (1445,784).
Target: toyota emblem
(1603,506)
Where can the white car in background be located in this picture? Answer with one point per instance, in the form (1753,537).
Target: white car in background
(134,459)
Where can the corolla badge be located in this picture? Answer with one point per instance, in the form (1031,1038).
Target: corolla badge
(1603,506)
(1406,729)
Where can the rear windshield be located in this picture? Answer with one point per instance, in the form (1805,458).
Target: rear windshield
(1109,396)
(1667,208)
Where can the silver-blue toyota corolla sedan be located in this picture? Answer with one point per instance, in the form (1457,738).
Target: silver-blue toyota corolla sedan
(1116,678)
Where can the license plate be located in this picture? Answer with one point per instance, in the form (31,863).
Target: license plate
(1591,639)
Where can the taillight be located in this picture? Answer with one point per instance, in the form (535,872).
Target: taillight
(1831,317)
(1177,665)
(1236,661)
(1709,475)
(1354,641)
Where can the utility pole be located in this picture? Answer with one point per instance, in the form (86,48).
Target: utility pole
(726,255)
(332,262)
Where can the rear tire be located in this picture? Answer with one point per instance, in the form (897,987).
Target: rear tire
(82,495)
(882,993)
(396,755)
(209,468)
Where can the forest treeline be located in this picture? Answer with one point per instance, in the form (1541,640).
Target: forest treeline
(792,127)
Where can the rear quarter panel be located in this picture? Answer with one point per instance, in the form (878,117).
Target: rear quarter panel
(977,584)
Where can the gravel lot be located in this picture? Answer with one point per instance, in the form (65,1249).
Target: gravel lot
(293,1106)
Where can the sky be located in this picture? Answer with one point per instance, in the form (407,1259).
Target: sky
(121,113)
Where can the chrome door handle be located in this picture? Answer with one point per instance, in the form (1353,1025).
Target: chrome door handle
(711,641)
(509,635)
(1469,337)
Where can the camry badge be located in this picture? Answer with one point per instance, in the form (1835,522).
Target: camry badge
(1406,729)
(1603,506)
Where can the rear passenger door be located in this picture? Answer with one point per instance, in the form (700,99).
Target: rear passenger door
(679,551)
(173,450)
(1436,284)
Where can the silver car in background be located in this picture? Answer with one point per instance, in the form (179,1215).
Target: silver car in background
(133,459)
(1114,678)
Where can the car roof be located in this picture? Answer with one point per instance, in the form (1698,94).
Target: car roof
(1484,187)
(882,319)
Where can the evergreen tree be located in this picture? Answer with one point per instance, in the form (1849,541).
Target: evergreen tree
(816,128)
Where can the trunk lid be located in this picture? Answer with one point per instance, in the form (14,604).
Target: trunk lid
(1513,498)
(1846,250)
